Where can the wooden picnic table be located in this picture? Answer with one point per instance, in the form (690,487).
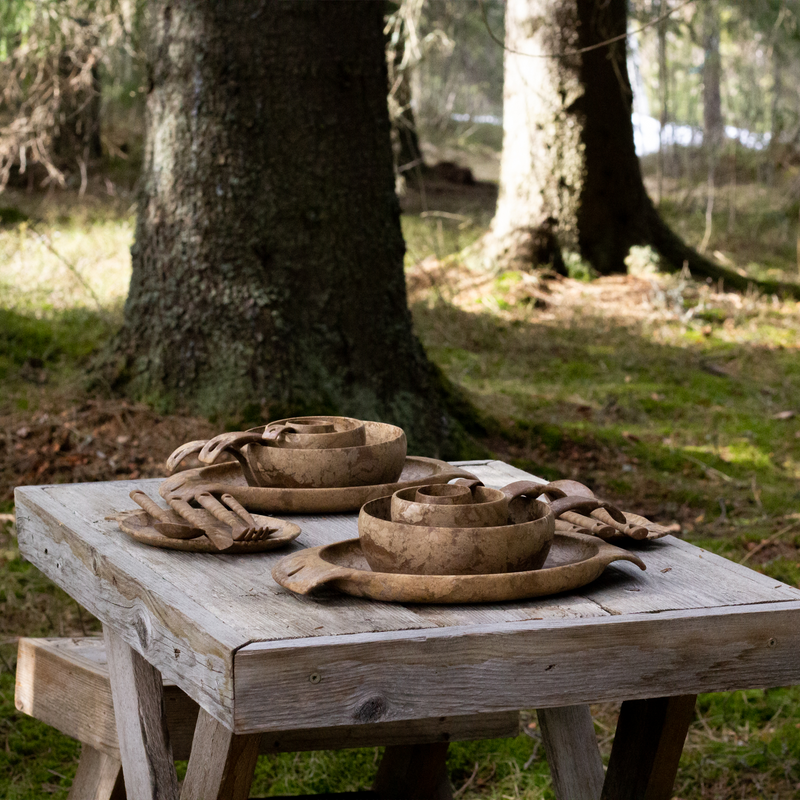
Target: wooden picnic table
(258,658)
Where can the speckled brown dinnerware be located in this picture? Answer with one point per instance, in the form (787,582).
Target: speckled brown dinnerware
(316,433)
(464,505)
(266,462)
(573,561)
(228,477)
(401,547)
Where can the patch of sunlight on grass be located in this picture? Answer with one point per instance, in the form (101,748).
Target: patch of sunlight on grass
(54,267)
(745,453)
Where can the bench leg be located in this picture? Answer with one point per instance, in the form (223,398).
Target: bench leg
(138,693)
(99,777)
(414,772)
(647,747)
(572,752)
(221,764)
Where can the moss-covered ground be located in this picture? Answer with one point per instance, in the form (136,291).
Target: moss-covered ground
(671,398)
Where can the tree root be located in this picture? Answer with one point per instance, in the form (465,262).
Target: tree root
(677,255)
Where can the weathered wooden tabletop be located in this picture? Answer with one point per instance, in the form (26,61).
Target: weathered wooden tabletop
(259,658)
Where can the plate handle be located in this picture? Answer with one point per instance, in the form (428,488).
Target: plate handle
(304,572)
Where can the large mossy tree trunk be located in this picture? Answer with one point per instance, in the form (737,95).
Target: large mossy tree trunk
(569,174)
(268,260)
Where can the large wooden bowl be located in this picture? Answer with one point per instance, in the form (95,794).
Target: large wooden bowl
(378,461)
(423,550)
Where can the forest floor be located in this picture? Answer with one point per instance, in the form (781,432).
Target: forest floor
(673,398)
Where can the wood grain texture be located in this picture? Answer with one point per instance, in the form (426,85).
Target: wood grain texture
(98,777)
(414,772)
(537,664)
(141,723)
(65,689)
(194,615)
(647,748)
(64,683)
(572,752)
(221,765)
(187,643)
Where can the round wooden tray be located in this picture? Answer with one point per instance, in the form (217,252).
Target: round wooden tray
(574,560)
(138,524)
(227,477)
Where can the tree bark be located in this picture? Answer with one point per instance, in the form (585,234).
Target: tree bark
(569,175)
(268,261)
(663,96)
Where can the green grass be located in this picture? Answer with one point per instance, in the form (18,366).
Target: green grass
(667,399)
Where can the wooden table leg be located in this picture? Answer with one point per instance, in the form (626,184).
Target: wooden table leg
(138,694)
(99,777)
(647,747)
(414,772)
(572,752)
(221,764)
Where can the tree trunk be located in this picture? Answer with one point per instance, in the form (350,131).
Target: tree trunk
(713,130)
(663,95)
(268,261)
(569,175)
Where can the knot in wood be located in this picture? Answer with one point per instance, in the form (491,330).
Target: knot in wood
(141,624)
(371,710)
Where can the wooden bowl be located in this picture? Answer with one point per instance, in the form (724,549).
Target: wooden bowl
(379,460)
(483,508)
(315,433)
(399,547)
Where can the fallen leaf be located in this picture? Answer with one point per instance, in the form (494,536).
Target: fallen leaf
(784,415)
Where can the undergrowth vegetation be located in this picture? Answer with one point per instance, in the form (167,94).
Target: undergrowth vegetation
(677,400)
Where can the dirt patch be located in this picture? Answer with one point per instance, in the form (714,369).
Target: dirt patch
(96,440)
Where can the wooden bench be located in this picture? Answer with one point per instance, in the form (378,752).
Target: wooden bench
(65,683)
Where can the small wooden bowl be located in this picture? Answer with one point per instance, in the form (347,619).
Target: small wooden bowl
(425,550)
(315,433)
(483,508)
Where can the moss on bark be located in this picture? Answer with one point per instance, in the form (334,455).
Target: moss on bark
(268,261)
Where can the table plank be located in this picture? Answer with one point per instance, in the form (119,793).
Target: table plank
(536,664)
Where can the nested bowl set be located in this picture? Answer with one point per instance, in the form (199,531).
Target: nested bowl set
(413,525)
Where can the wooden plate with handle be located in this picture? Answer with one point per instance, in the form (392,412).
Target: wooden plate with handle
(573,561)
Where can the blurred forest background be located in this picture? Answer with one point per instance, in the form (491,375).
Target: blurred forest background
(671,395)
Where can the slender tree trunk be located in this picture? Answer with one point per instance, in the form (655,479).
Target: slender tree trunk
(663,95)
(776,117)
(569,175)
(713,129)
(268,262)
